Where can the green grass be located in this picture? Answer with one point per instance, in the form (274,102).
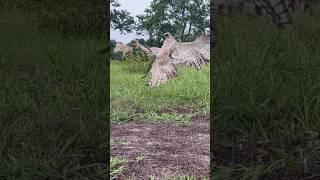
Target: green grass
(266,99)
(131,97)
(53,103)
(117,166)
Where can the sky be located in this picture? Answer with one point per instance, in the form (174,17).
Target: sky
(135,7)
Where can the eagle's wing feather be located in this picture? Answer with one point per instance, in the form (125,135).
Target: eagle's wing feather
(194,53)
(174,53)
(162,69)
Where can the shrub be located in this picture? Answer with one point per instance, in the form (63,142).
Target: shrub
(136,64)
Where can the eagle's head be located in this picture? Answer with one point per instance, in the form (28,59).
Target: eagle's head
(135,44)
(167,35)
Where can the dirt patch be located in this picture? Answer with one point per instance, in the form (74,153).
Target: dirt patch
(167,149)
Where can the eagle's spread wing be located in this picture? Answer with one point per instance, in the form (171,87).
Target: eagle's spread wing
(194,53)
(162,69)
(173,53)
(155,50)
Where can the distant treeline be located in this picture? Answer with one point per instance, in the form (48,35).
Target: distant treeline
(71,17)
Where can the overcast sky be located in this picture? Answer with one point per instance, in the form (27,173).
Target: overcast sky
(135,7)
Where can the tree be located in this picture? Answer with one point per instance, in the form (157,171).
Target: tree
(184,19)
(112,44)
(121,19)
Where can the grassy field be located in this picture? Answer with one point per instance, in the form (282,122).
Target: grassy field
(132,99)
(53,103)
(178,100)
(266,99)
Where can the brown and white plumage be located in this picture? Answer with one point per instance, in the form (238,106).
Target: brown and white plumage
(193,54)
(151,52)
(123,49)
(173,54)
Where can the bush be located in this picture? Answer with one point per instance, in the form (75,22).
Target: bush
(116,56)
(136,64)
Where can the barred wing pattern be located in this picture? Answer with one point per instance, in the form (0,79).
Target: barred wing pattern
(278,10)
(193,54)
(302,6)
(173,54)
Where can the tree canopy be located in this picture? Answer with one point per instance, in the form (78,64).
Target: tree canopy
(121,19)
(184,19)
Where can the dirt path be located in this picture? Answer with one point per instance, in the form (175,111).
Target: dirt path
(167,149)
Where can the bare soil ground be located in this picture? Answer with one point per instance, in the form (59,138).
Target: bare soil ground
(167,149)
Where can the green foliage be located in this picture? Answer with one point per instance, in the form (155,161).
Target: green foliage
(121,19)
(138,63)
(112,44)
(117,166)
(117,56)
(53,103)
(266,97)
(183,19)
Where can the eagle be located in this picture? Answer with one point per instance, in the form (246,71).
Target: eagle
(174,54)
(149,51)
(123,49)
